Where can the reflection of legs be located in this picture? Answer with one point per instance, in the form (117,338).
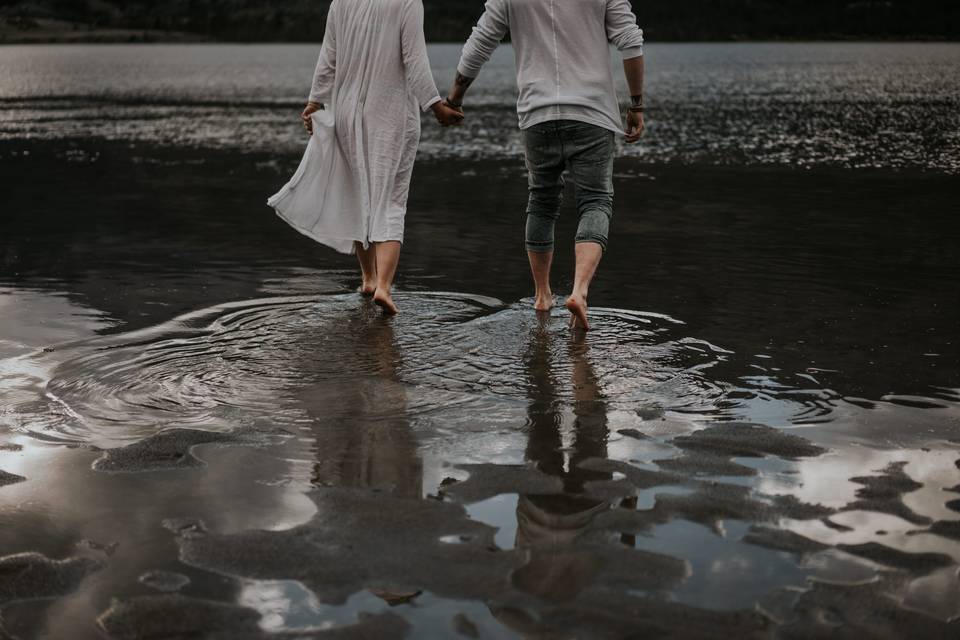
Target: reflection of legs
(545,166)
(368,268)
(363,432)
(388,255)
(590,425)
(630,504)
(550,526)
(544,443)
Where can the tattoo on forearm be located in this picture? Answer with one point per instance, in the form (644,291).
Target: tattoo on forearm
(637,99)
(463,81)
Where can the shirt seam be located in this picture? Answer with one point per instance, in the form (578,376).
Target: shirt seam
(556,51)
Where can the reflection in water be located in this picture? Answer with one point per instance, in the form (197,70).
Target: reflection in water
(549,525)
(368,444)
(366,440)
(379,405)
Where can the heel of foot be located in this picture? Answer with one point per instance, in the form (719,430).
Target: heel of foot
(578,314)
(386,304)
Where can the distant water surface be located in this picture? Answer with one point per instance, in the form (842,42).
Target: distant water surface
(845,104)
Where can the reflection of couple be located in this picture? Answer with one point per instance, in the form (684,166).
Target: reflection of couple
(369,443)
(374,74)
(549,526)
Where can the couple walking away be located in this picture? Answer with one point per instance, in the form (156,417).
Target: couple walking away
(372,79)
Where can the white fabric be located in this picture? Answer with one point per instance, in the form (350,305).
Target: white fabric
(562,50)
(332,215)
(373,73)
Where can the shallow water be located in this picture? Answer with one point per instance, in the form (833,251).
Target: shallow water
(758,437)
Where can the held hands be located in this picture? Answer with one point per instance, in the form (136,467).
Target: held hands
(312,107)
(447,115)
(635,126)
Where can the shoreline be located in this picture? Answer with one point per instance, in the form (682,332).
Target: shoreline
(81,34)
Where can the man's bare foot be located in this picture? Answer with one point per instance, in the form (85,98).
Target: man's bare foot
(577,306)
(383,300)
(367,289)
(544,302)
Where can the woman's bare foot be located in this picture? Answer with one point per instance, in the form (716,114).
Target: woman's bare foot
(543,302)
(382,299)
(368,289)
(577,306)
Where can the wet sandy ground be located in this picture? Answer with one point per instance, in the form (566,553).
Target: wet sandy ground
(205,433)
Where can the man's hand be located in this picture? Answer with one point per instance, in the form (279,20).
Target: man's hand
(312,107)
(446,115)
(633,71)
(634,126)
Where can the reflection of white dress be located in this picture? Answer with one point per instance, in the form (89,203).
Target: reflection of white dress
(374,75)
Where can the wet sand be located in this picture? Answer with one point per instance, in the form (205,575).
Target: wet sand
(205,433)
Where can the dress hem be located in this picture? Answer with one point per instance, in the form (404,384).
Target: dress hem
(328,241)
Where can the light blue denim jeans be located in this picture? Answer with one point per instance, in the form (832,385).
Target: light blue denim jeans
(585,150)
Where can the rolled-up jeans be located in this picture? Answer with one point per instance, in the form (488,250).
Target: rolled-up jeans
(585,150)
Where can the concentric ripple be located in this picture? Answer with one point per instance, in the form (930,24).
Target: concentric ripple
(271,363)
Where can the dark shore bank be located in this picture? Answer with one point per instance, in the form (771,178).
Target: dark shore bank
(47,31)
(679,21)
(207,434)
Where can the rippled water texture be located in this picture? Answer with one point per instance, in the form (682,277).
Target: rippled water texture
(615,466)
(807,104)
(203,426)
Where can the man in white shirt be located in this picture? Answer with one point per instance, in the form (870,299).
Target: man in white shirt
(569,116)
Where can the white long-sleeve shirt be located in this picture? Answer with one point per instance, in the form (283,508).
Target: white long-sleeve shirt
(562,55)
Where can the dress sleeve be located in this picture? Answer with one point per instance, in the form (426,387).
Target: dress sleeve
(415,61)
(490,30)
(323,76)
(622,29)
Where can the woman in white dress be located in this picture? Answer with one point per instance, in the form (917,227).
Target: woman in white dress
(374,73)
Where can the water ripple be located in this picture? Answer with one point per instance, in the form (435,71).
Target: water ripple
(253,363)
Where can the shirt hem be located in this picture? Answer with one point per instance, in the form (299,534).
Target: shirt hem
(526,123)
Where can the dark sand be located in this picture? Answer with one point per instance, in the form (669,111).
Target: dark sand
(767,457)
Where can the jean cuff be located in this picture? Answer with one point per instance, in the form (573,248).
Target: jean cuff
(594,239)
(540,247)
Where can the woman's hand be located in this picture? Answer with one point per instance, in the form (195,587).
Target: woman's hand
(446,115)
(312,107)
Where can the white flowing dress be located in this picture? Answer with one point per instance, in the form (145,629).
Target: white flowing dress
(374,77)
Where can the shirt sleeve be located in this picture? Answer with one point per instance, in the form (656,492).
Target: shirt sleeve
(622,29)
(415,61)
(323,75)
(490,30)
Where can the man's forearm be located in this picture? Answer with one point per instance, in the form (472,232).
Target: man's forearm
(459,89)
(633,70)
